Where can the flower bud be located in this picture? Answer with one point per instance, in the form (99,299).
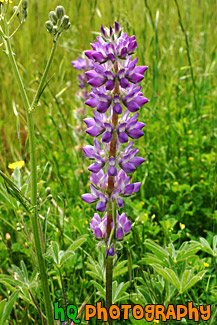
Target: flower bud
(25,4)
(68,26)
(24,13)
(60,11)
(53,17)
(48,190)
(54,30)
(14,9)
(49,26)
(65,22)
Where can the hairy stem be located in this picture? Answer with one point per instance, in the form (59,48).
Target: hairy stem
(34,215)
(109,271)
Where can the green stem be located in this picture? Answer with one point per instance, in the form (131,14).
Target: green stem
(109,273)
(34,216)
(42,82)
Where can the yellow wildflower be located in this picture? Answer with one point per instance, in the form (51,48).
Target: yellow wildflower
(156,321)
(182,226)
(10,1)
(202,180)
(18,164)
(190,131)
(175,183)
(191,158)
(206,264)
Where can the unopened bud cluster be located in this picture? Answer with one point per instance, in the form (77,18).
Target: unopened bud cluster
(24,10)
(58,21)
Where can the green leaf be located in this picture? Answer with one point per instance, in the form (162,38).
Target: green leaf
(156,249)
(191,281)
(101,290)
(54,252)
(188,249)
(168,275)
(215,245)
(8,280)
(120,291)
(152,259)
(206,246)
(8,307)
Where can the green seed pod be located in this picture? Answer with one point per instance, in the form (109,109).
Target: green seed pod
(55,30)
(64,21)
(60,11)
(49,26)
(25,4)
(53,17)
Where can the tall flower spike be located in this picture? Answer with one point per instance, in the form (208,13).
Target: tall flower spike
(117,98)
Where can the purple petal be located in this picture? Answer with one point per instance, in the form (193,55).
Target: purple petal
(98,232)
(93,131)
(136,78)
(136,186)
(119,233)
(101,206)
(141,69)
(141,100)
(135,133)
(102,107)
(123,137)
(89,198)
(112,171)
(117,109)
(127,226)
(129,189)
(111,252)
(106,137)
(124,83)
(98,56)
(137,161)
(120,203)
(117,28)
(128,167)
(109,85)
(89,54)
(96,82)
(89,151)
(95,168)
(92,102)
(132,106)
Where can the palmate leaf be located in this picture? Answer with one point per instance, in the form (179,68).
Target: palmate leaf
(152,259)
(58,256)
(188,249)
(119,292)
(6,307)
(188,279)
(159,251)
(168,275)
(101,290)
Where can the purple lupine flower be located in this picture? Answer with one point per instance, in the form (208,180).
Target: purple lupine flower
(83,64)
(117,98)
(98,226)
